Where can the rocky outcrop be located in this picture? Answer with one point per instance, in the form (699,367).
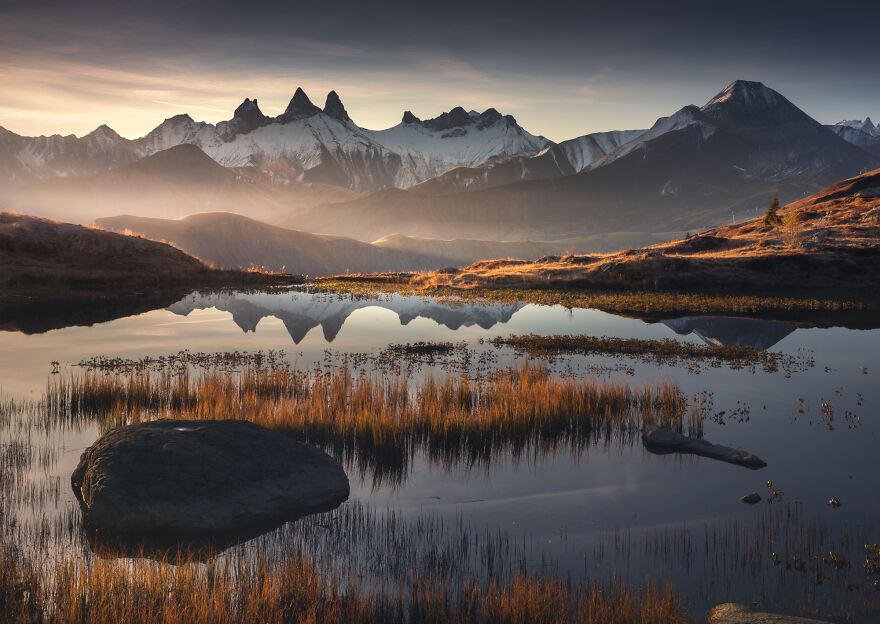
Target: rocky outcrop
(664,441)
(334,108)
(202,477)
(732,613)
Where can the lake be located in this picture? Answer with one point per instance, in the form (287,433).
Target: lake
(606,508)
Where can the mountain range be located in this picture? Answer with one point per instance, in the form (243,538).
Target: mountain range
(862,133)
(303,144)
(460,175)
(696,168)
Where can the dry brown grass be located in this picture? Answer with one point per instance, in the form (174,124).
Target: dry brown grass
(248,591)
(379,423)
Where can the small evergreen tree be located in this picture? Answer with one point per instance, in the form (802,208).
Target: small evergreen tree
(770,217)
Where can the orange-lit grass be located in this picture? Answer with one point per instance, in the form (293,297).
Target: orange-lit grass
(246,591)
(381,422)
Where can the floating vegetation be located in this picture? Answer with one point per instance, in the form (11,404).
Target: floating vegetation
(226,361)
(667,351)
(379,423)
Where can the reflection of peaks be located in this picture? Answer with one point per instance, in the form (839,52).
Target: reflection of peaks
(718,330)
(301,311)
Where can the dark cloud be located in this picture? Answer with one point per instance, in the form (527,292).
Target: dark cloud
(810,50)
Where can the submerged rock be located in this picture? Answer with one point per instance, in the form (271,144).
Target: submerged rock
(732,613)
(663,441)
(198,477)
(752,498)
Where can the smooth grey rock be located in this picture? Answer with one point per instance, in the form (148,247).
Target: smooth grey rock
(732,613)
(197,477)
(752,498)
(663,441)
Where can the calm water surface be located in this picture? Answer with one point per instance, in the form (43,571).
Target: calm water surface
(607,509)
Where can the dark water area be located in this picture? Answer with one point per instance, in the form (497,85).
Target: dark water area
(601,509)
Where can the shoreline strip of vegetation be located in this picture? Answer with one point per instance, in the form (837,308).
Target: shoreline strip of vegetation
(639,303)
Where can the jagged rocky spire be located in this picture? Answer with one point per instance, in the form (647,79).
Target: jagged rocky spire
(248,116)
(300,106)
(333,107)
(409,118)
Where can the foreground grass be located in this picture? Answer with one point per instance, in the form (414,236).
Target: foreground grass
(296,591)
(377,423)
(631,302)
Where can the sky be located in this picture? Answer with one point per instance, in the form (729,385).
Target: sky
(562,69)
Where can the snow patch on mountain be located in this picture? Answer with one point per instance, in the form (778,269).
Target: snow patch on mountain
(455,139)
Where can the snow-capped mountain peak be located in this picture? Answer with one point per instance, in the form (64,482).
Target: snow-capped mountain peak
(866,126)
(104,133)
(750,94)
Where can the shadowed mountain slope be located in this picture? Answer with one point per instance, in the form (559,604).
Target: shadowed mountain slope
(829,241)
(40,253)
(692,170)
(232,241)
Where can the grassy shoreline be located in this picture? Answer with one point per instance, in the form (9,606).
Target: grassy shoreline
(643,304)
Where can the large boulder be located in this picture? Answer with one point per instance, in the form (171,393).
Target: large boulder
(733,613)
(202,477)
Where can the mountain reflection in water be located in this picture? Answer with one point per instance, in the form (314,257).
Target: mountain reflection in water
(728,330)
(301,311)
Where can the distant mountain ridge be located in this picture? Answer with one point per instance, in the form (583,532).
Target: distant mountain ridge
(232,241)
(858,132)
(305,143)
(694,169)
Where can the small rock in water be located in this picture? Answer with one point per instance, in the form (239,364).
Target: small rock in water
(732,613)
(662,441)
(834,502)
(751,498)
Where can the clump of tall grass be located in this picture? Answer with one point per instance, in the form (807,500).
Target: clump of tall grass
(380,423)
(250,590)
(664,351)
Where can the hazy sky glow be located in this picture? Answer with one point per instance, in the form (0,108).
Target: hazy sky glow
(561,71)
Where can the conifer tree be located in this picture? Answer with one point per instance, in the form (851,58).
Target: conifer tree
(770,217)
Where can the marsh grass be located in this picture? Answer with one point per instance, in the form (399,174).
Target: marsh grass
(666,351)
(626,302)
(789,560)
(379,423)
(250,590)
